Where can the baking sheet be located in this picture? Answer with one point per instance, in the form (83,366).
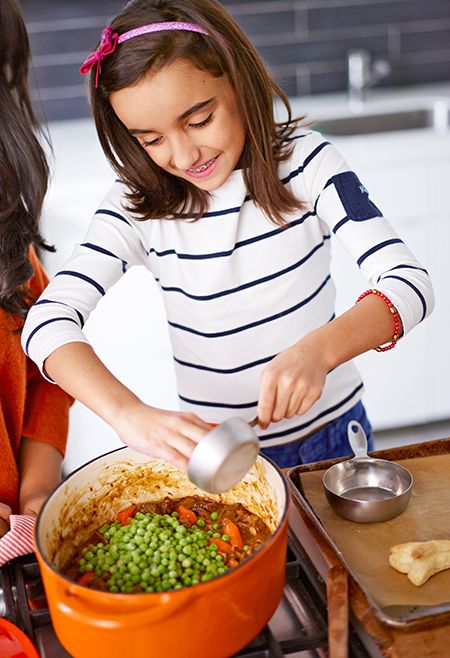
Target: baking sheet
(365,547)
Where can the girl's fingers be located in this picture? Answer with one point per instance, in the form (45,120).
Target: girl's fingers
(266,404)
(294,405)
(182,444)
(193,431)
(306,403)
(5,511)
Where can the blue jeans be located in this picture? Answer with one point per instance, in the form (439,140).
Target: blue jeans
(327,443)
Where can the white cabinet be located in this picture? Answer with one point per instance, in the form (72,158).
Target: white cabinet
(408,177)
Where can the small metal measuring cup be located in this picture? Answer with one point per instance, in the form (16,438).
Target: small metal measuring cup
(224,456)
(365,489)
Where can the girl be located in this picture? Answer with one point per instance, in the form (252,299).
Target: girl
(232,212)
(33,413)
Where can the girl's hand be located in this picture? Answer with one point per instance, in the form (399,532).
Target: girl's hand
(291,382)
(168,435)
(5,513)
(32,505)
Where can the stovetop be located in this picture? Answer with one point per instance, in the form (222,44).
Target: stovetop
(298,629)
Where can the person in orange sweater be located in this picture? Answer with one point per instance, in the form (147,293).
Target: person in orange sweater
(33,412)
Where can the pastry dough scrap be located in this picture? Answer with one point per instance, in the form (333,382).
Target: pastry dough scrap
(421,559)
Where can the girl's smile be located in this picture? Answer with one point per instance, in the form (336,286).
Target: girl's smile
(187,121)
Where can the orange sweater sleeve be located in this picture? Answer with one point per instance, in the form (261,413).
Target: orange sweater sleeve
(46,414)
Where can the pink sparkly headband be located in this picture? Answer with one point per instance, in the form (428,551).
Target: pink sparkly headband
(110,40)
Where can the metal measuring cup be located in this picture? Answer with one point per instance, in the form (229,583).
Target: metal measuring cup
(365,489)
(224,456)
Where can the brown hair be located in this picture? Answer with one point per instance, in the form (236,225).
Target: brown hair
(226,50)
(23,166)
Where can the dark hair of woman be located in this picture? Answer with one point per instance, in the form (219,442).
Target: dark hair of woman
(23,166)
(226,50)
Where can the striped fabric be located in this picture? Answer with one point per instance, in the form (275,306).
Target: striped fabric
(19,540)
(237,288)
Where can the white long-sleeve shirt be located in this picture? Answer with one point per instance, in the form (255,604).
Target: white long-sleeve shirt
(237,288)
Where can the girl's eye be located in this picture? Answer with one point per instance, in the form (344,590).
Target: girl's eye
(204,122)
(151,142)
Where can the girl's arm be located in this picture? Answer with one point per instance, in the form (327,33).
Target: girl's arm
(40,472)
(294,379)
(168,435)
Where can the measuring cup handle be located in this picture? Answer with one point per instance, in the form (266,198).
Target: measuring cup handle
(357,438)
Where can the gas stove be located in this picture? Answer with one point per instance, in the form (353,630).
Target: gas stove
(298,628)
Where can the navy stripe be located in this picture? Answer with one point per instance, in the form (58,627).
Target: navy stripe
(225,371)
(327,184)
(101,250)
(298,428)
(104,211)
(401,267)
(339,224)
(238,245)
(306,162)
(250,284)
(220,405)
(249,405)
(416,290)
(217,213)
(43,325)
(281,314)
(376,248)
(230,371)
(88,279)
(51,301)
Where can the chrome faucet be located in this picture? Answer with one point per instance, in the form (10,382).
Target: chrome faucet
(362,74)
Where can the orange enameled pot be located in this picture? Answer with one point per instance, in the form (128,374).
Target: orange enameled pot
(210,620)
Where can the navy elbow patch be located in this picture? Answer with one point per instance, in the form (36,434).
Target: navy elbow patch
(354,197)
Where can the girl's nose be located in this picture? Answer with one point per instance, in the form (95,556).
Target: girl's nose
(185,154)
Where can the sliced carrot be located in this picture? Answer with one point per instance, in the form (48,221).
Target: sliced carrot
(232,562)
(125,514)
(233,532)
(186,514)
(222,546)
(86,578)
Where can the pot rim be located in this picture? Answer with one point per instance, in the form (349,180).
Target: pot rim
(171,592)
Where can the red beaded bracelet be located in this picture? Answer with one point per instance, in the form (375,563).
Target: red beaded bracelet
(394,312)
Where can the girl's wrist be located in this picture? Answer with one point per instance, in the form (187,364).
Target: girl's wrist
(320,349)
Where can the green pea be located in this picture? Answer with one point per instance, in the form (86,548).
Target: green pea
(246,548)
(214,515)
(200,523)
(226,538)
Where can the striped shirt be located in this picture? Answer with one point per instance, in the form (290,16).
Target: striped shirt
(238,289)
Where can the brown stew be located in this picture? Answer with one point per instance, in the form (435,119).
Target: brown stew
(155,547)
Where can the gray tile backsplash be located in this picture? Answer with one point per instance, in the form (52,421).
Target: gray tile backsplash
(304,42)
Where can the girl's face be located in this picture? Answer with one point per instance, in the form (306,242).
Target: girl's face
(187,121)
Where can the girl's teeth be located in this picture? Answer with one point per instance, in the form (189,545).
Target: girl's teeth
(202,168)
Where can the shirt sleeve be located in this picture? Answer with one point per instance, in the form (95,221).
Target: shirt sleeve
(342,202)
(46,413)
(112,245)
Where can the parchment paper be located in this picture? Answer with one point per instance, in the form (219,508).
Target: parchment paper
(365,546)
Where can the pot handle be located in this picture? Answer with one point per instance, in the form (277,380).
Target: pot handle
(74,605)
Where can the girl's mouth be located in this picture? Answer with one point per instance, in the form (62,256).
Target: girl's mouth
(204,170)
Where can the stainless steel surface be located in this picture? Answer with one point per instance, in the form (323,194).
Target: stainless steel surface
(364,489)
(436,117)
(224,456)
